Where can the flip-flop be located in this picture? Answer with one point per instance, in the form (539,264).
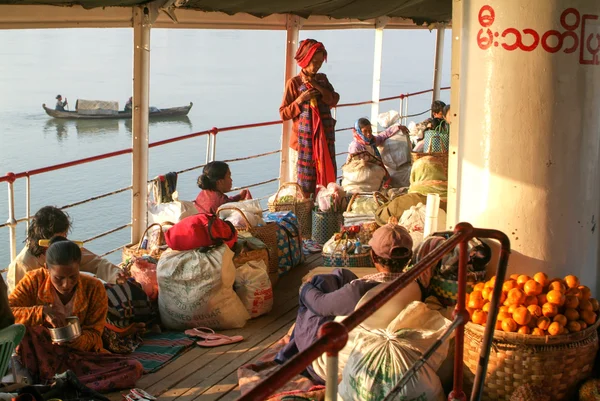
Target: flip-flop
(220,339)
(201,332)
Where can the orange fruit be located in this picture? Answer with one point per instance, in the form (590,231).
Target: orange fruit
(532,287)
(512,308)
(583,324)
(486,293)
(561,319)
(522,316)
(588,316)
(498,325)
(571,314)
(543,323)
(486,307)
(573,327)
(556,297)
(509,325)
(475,300)
(541,278)
(509,285)
(503,315)
(542,299)
(586,293)
(503,296)
(533,322)
(503,309)
(557,286)
(549,310)
(595,304)
(535,310)
(572,281)
(522,279)
(491,282)
(571,301)
(555,329)
(524,330)
(574,291)
(516,297)
(537,332)
(470,310)
(514,276)
(479,287)
(586,305)
(531,300)
(479,316)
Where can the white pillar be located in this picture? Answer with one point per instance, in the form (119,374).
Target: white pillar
(291,46)
(142,21)
(529,134)
(377,59)
(439,61)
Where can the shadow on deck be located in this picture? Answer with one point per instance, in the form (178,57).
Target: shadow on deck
(211,373)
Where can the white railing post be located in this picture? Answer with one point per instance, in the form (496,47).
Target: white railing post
(439,61)
(213,151)
(377,61)
(12,222)
(143,17)
(28,200)
(405,112)
(292,35)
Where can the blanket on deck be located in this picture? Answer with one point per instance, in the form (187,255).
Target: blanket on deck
(159,349)
(251,374)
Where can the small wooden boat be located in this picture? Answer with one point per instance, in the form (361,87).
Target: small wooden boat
(160,113)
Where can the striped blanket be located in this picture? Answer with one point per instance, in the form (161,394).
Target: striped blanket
(159,349)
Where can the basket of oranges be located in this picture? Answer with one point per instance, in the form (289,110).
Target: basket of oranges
(546,335)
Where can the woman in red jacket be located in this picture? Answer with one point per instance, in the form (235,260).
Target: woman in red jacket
(215,182)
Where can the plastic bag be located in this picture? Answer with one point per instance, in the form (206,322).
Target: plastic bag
(330,198)
(395,154)
(388,118)
(413,219)
(172,212)
(143,270)
(253,286)
(251,209)
(196,289)
(380,358)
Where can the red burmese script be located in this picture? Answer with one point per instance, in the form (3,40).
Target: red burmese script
(580,32)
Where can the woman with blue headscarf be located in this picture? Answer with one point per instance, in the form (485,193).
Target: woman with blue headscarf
(365,141)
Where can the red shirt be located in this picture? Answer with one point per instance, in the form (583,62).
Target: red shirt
(208,201)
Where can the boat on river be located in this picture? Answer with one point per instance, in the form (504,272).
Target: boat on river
(153,113)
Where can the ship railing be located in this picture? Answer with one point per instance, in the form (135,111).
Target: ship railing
(333,336)
(211,148)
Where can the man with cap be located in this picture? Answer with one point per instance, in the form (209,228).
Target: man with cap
(60,105)
(327,296)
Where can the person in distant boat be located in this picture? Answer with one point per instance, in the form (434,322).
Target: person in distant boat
(365,141)
(307,101)
(215,182)
(60,104)
(129,104)
(47,223)
(44,299)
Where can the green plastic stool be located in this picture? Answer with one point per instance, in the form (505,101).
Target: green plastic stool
(10,337)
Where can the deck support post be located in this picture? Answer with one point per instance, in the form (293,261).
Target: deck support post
(439,61)
(292,33)
(142,22)
(377,62)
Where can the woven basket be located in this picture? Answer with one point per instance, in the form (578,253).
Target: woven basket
(134,250)
(301,207)
(325,225)
(256,254)
(442,156)
(447,290)
(344,259)
(366,233)
(556,363)
(266,233)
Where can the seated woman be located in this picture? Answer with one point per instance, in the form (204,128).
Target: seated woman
(45,298)
(48,222)
(365,141)
(215,182)
(6,316)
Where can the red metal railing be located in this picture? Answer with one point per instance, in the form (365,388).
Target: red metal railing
(333,335)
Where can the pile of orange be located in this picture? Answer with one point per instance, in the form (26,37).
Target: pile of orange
(536,305)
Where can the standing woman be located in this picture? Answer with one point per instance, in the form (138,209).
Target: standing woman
(307,101)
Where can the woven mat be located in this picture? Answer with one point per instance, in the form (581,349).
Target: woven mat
(160,349)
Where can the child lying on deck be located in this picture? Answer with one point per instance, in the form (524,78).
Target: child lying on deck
(45,298)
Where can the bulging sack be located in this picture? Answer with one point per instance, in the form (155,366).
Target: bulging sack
(196,289)
(363,173)
(380,358)
(253,286)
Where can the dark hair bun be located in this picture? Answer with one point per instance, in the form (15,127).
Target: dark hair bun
(62,252)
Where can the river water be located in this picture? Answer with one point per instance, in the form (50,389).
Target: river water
(232,77)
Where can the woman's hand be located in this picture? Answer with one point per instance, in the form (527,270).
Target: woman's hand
(306,96)
(404,129)
(53,317)
(244,194)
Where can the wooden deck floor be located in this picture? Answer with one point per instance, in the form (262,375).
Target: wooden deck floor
(205,374)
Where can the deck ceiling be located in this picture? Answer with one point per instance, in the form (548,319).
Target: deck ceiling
(420,11)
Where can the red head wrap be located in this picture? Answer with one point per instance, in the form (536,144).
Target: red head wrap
(307,50)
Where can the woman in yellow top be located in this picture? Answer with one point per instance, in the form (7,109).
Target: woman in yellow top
(45,298)
(48,222)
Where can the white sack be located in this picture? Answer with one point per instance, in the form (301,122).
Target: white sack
(253,286)
(360,175)
(196,289)
(388,118)
(251,209)
(395,154)
(172,212)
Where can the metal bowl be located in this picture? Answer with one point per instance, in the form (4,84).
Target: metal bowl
(68,333)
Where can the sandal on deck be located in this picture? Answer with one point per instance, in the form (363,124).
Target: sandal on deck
(201,332)
(219,339)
